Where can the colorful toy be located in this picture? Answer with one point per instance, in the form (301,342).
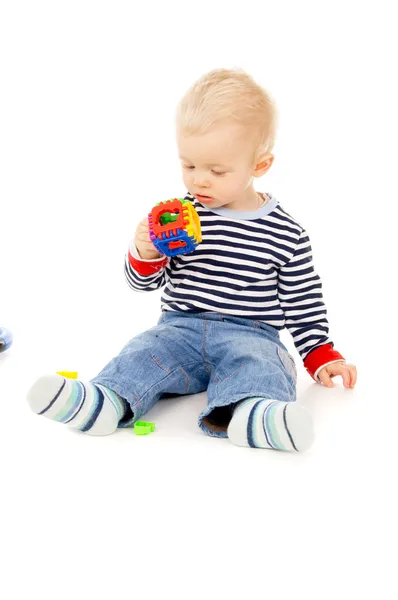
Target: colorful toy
(143,427)
(174,227)
(5,339)
(68,374)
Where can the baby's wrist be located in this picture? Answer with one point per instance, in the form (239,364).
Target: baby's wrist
(146,254)
(149,255)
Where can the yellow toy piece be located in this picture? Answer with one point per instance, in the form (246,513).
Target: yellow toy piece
(193,225)
(68,374)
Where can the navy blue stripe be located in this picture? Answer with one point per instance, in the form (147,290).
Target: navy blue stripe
(308,327)
(233,286)
(244,225)
(305,263)
(223,294)
(249,431)
(191,308)
(318,340)
(321,339)
(258,233)
(263,269)
(81,404)
(218,305)
(287,429)
(303,296)
(306,307)
(97,410)
(54,399)
(285,215)
(288,271)
(292,282)
(262,241)
(264,417)
(145,284)
(203,273)
(199,268)
(286,295)
(292,320)
(243,254)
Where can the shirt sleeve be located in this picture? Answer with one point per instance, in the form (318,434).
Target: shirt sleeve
(144,275)
(300,297)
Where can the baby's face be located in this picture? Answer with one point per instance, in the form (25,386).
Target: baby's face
(218,164)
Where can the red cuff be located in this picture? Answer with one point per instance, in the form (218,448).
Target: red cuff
(321,356)
(147,267)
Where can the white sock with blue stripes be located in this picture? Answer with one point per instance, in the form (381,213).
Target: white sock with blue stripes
(262,423)
(88,407)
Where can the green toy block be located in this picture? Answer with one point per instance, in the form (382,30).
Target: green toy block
(168,218)
(143,427)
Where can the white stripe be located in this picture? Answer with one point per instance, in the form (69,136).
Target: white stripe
(299,337)
(259,438)
(225,300)
(259,264)
(220,288)
(234,281)
(86,410)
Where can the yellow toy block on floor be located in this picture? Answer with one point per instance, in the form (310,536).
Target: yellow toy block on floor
(68,374)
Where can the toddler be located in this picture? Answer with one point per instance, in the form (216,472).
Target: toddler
(224,304)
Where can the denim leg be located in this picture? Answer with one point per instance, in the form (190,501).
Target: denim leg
(161,360)
(247,362)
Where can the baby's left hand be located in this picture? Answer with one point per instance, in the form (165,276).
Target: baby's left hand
(348,373)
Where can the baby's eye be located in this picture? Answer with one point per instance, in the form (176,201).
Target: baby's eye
(218,173)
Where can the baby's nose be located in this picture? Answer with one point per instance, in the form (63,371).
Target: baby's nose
(200,181)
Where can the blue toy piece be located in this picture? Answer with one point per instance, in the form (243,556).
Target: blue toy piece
(5,339)
(184,244)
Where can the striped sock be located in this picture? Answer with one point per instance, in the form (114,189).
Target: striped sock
(88,407)
(264,423)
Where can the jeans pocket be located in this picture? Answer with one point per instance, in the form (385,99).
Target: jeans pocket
(287,361)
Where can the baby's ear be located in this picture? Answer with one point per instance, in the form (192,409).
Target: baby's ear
(264,162)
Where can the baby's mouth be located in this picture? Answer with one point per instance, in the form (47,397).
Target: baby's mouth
(204,198)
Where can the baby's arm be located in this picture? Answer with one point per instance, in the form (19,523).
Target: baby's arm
(300,296)
(144,267)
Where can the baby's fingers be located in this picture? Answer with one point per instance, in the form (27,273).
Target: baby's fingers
(353,374)
(347,374)
(146,245)
(324,378)
(143,235)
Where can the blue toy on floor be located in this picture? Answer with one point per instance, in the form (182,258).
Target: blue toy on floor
(5,339)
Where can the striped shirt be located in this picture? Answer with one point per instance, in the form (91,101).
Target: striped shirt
(254,264)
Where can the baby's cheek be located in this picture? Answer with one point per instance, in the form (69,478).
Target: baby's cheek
(186,179)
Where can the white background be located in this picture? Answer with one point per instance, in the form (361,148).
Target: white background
(87,147)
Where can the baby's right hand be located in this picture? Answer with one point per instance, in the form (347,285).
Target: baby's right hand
(146,249)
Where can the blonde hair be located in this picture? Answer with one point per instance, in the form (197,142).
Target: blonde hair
(225,95)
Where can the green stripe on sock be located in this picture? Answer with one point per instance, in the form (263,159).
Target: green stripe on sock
(69,404)
(270,425)
(114,398)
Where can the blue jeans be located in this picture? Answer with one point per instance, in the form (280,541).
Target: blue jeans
(186,353)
